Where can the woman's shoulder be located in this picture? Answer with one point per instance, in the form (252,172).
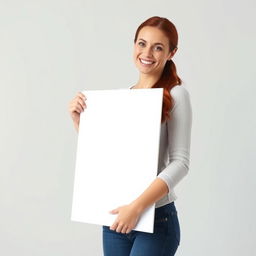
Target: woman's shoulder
(180,92)
(179,88)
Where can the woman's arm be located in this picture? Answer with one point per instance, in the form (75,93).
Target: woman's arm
(179,136)
(156,190)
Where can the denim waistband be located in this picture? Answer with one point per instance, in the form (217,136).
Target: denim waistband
(167,208)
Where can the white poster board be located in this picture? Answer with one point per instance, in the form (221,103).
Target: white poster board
(117,153)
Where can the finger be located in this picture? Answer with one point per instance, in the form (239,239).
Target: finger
(124,229)
(114,226)
(78,108)
(76,103)
(75,107)
(119,228)
(128,231)
(73,103)
(114,211)
(81,95)
(81,104)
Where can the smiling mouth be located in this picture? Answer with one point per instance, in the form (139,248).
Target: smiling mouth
(145,62)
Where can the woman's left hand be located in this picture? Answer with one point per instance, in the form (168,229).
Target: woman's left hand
(128,216)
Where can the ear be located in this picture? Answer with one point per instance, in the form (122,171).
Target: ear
(172,53)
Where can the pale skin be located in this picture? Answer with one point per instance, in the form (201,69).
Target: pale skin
(151,45)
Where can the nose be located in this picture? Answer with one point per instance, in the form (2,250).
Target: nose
(147,52)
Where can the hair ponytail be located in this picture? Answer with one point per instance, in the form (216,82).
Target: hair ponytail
(167,81)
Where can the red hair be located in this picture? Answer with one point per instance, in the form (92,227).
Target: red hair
(169,77)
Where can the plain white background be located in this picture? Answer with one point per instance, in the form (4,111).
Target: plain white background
(50,50)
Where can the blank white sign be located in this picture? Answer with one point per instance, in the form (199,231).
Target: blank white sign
(117,153)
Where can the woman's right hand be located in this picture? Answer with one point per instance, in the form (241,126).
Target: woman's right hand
(76,106)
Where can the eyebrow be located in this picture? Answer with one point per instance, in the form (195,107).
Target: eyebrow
(146,41)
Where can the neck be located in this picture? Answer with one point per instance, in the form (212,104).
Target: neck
(147,81)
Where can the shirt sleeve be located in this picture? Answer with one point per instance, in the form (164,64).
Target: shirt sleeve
(179,136)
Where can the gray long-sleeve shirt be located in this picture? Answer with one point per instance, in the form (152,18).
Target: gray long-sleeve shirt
(174,148)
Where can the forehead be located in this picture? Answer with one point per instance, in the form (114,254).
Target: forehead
(152,35)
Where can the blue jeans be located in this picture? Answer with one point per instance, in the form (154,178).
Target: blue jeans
(163,242)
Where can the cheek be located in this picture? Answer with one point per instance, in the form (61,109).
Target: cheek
(136,51)
(161,59)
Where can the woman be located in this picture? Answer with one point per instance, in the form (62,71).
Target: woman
(155,44)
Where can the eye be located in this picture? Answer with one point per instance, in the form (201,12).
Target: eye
(140,43)
(160,48)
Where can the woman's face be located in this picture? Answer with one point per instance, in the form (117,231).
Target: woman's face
(152,46)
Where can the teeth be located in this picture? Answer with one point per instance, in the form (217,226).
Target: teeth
(146,62)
